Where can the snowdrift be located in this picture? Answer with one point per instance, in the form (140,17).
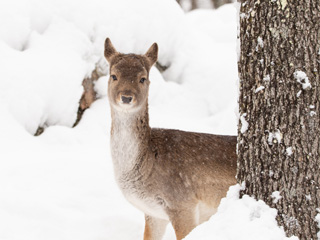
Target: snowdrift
(60,185)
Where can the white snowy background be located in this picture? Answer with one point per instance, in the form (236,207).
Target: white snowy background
(60,185)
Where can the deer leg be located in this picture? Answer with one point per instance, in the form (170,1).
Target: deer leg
(154,228)
(183,221)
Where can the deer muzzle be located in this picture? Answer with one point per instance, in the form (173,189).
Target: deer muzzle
(126,99)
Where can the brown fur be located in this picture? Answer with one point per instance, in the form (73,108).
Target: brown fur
(171,175)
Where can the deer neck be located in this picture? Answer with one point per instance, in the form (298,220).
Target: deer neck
(130,133)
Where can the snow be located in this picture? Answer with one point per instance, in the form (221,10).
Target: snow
(267,78)
(308,197)
(299,93)
(289,151)
(302,78)
(260,44)
(240,219)
(274,137)
(237,6)
(258,89)
(60,185)
(276,196)
(318,220)
(244,123)
(271,173)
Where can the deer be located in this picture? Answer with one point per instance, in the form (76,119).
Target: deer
(172,176)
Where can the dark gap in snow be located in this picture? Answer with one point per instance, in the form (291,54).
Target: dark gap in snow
(39,131)
(79,116)
(24,47)
(161,67)
(189,5)
(25,44)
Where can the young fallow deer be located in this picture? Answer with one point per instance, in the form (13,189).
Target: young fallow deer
(170,175)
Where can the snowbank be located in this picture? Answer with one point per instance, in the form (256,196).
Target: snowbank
(240,219)
(60,185)
(48,47)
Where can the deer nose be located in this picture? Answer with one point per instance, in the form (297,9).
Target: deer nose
(126,99)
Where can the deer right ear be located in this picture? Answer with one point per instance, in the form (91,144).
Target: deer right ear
(109,50)
(152,54)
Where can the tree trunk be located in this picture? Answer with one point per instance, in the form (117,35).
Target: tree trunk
(279,127)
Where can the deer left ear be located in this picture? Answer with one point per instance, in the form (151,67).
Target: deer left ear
(109,50)
(152,54)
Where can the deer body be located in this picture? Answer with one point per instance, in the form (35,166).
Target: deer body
(171,175)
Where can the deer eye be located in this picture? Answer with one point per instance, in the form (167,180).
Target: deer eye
(142,80)
(114,77)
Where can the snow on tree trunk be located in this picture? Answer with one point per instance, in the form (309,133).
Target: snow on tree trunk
(279,148)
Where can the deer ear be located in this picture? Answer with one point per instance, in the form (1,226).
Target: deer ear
(152,53)
(109,50)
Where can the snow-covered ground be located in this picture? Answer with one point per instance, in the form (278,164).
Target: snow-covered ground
(60,185)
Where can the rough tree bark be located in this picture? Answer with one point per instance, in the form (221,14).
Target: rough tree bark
(279,105)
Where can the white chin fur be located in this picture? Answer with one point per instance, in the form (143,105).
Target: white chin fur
(125,107)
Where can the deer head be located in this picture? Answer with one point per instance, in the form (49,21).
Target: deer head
(128,84)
